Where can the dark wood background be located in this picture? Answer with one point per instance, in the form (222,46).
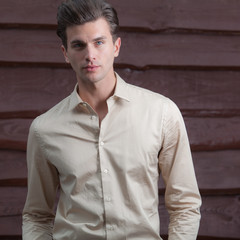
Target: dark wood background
(188,50)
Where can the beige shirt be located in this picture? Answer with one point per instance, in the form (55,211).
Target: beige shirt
(108,175)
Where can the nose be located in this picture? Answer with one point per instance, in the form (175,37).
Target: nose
(90,53)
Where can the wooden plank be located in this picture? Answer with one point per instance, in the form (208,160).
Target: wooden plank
(178,50)
(223,178)
(13,166)
(11,237)
(10,226)
(13,133)
(17,237)
(163,49)
(199,92)
(213,133)
(11,204)
(36,90)
(220,215)
(39,46)
(191,90)
(214,238)
(217,170)
(151,15)
(179,14)
(28,12)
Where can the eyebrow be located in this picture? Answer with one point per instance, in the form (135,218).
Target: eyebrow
(83,43)
(99,38)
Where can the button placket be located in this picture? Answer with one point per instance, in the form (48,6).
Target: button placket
(106,181)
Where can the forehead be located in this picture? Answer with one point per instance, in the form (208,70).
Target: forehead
(89,30)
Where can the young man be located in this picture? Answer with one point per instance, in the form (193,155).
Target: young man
(104,147)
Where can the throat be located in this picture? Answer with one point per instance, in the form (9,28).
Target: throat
(101,110)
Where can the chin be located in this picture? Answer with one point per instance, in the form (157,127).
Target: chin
(92,79)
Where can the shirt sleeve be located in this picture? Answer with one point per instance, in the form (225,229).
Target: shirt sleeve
(38,212)
(182,197)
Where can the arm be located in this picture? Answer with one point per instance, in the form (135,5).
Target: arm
(182,196)
(38,214)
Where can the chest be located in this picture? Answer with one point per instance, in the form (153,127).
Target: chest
(128,141)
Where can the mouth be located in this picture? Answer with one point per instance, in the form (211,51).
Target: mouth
(91,68)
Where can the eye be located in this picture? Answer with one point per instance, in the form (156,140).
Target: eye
(99,43)
(78,45)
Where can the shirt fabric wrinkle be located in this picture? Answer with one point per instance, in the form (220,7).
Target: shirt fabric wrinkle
(108,175)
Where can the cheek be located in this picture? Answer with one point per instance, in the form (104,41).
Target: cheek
(109,55)
(75,64)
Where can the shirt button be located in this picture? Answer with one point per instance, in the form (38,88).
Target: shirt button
(84,104)
(111,228)
(105,171)
(93,117)
(101,143)
(108,199)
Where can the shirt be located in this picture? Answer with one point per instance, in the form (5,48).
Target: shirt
(108,174)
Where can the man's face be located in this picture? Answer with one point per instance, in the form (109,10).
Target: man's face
(91,51)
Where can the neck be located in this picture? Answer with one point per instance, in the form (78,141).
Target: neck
(96,94)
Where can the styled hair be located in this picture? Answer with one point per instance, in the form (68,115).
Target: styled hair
(78,12)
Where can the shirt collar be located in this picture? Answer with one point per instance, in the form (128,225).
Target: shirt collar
(121,91)
(75,99)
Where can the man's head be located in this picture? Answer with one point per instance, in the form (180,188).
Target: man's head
(78,12)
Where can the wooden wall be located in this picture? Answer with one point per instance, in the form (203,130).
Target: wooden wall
(188,50)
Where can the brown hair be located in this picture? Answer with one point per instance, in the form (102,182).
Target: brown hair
(77,12)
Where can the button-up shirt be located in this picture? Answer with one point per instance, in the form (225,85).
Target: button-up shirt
(108,174)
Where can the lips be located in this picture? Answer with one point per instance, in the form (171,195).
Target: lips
(91,68)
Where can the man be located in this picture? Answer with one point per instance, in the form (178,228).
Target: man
(104,147)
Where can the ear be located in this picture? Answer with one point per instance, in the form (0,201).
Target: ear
(65,54)
(117,46)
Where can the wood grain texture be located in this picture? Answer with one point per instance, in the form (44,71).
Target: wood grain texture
(220,215)
(36,90)
(11,204)
(154,15)
(197,92)
(163,49)
(213,91)
(213,133)
(13,165)
(13,133)
(217,170)
(178,50)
